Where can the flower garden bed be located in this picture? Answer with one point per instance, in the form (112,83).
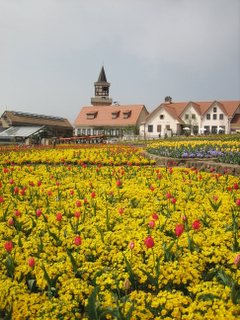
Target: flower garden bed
(105,233)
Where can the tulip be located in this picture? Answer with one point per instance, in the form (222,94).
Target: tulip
(78,203)
(179,229)
(131,245)
(155,216)
(17,213)
(38,212)
(238,202)
(118,183)
(77,241)
(149,242)
(237,260)
(168,195)
(8,246)
(31,262)
(77,214)
(196,224)
(235,186)
(151,223)
(11,222)
(59,216)
(120,211)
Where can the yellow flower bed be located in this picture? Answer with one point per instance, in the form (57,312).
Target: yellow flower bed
(116,241)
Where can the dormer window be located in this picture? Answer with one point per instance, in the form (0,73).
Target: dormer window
(115,114)
(91,115)
(127,114)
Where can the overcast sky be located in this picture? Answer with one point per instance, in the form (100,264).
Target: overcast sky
(52,51)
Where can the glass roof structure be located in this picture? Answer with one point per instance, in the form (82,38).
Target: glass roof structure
(20,131)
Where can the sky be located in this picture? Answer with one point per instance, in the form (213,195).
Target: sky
(52,51)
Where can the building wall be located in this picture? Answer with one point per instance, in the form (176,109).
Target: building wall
(160,125)
(215,119)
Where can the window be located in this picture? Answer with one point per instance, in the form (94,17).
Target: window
(83,131)
(159,128)
(161,116)
(88,132)
(193,116)
(115,114)
(150,128)
(214,116)
(214,129)
(127,114)
(167,127)
(186,116)
(195,129)
(206,129)
(215,109)
(208,117)
(221,116)
(91,115)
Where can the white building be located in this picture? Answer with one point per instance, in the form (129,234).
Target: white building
(179,118)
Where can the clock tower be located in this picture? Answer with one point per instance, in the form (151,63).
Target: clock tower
(101,91)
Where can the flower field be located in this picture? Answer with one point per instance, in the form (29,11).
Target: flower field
(225,150)
(102,233)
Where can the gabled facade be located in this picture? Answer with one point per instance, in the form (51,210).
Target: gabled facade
(192,118)
(103,117)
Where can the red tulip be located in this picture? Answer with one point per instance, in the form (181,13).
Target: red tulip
(238,202)
(120,211)
(17,213)
(179,229)
(8,246)
(155,216)
(149,242)
(78,203)
(11,222)
(118,183)
(31,262)
(77,214)
(38,212)
(77,241)
(151,223)
(235,186)
(59,216)
(196,224)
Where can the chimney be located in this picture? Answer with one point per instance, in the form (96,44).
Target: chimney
(168,99)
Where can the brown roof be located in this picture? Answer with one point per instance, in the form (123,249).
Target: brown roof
(104,115)
(24,118)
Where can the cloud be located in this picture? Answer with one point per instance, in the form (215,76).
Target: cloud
(52,50)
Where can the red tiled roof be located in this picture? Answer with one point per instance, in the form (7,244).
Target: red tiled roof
(176,109)
(105,115)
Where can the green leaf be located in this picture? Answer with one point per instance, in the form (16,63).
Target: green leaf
(91,308)
(73,261)
(132,276)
